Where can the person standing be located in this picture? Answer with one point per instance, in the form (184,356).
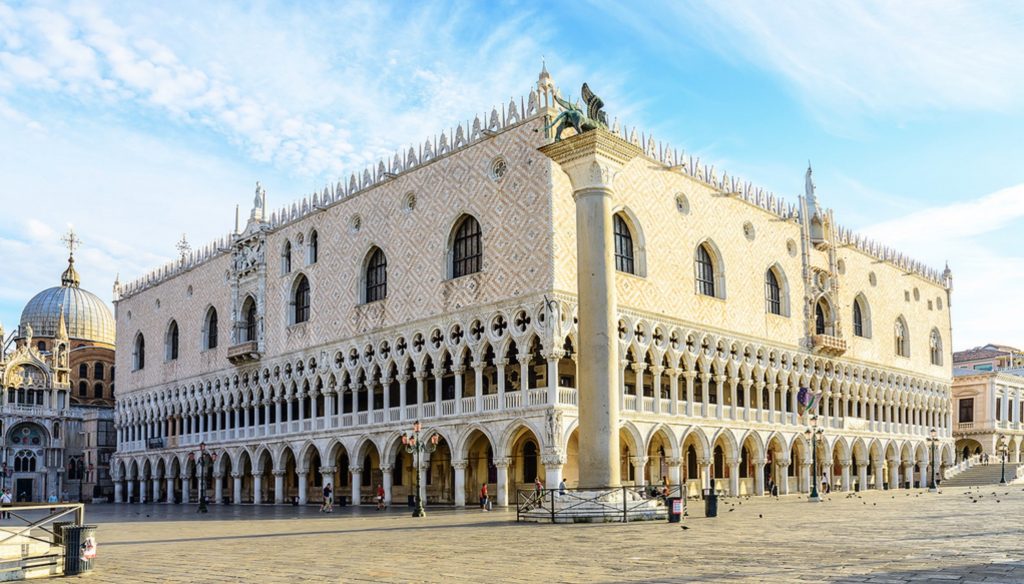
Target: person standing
(561,488)
(328,504)
(5,501)
(380,497)
(483,497)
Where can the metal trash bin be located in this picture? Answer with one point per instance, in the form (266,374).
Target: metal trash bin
(675,509)
(58,532)
(710,503)
(342,501)
(412,501)
(79,548)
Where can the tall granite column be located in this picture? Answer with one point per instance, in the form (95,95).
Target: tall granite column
(591,160)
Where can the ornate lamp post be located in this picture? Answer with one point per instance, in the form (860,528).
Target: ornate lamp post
(933,440)
(814,435)
(1001,449)
(203,458)
(416,447)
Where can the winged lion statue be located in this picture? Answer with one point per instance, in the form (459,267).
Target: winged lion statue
(573,116)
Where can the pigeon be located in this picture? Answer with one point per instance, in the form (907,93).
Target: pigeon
(683,527)
(760,516)
(731,510)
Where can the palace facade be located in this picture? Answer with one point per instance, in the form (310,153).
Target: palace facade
(441,286)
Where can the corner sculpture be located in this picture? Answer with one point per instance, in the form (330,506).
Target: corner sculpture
(572,115)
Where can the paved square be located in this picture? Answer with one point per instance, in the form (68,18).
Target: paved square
(959,535)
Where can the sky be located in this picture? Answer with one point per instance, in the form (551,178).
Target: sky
(137,123)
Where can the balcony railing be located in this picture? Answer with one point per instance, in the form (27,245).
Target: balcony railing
(244,353)
(828,344)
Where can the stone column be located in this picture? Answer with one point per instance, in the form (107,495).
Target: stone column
(386,387)
(734,478)
(673,391)
(186,491)
(388,472)
(279,486)
(704,397)
(639,470)
(689,376)
(500,365)
(478,385)
(656,371)
(553,463)
(257,489)
(922,475)
(156,489)
(846,464)
(458,371)
(119,491)
(877,465)
(894,474)
(460,482)
(783,475)
(759,476)
(236,488)
(422,470)
(501,489)
(747,397)
(169,488)
(675,475)
(218,489)
(327,478)
(733,397)
(303,487)
(357,484)
(705,473)
(403,381)
(420,377)
(591,160)
(805,477)
(862,477)
(552,359)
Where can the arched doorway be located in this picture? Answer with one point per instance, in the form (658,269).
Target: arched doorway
(31,479)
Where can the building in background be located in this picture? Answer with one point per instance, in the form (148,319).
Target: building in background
(441,286)
(57,373)
(989,357)
(988,406)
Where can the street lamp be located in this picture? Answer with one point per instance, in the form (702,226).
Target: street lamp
(814,434)
(933,440)
(416,447)
(203,458)
(1001,449)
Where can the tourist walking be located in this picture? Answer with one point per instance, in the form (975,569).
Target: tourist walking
(484,501)
(328,504)
(561,488)
(380,497)
(5,501)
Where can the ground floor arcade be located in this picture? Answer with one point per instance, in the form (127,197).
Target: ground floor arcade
(508,455)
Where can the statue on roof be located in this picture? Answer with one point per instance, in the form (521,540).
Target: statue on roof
(573,116)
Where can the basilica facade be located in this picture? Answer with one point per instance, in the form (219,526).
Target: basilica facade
(56,375)
(441,287)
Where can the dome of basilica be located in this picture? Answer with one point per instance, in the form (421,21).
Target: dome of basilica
(86,317)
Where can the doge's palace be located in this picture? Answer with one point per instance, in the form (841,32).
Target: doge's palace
(441,286)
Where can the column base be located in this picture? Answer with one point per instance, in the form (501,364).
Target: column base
(814,499)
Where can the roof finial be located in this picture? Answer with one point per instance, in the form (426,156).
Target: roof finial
(812,200)
(70,276)
(183,247)
(62,329)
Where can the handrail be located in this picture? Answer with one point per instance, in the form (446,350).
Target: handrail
(565,502)
(56,511)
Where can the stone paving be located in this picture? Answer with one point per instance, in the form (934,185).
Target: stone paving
(958,535)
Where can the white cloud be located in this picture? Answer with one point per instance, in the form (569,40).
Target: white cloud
(882,56)
(986,275)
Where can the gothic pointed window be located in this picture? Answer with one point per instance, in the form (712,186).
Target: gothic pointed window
(286,258)
(819,319)
(466,248)
(249,324)
(172,341)
(705,271)
(376,277)
(772,292)
(858,319)
(935,347)
(300,300)
(314,247)
(210,329)
(624,258)
(139,353)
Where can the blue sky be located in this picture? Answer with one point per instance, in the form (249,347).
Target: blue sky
(137,123)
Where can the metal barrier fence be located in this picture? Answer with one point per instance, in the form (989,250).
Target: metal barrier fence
(37,531)
(612,502)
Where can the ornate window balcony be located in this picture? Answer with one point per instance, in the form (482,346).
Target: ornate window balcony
(244,353)
(828,345)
